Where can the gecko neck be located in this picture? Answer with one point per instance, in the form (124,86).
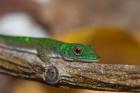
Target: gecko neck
(52,46)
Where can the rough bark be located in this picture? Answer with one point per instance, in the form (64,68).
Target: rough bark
(94,76)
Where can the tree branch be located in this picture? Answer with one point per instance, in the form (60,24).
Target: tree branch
(94,76)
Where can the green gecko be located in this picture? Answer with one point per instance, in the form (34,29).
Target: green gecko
(49,48)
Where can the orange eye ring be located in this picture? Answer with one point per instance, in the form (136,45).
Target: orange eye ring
(78,51)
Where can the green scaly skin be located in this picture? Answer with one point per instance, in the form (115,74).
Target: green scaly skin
(47,48)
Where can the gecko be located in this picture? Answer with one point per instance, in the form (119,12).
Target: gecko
(50,48)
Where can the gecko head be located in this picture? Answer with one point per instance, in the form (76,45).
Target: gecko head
(79,52)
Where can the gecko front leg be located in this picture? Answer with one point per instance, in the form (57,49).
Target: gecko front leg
(43,55)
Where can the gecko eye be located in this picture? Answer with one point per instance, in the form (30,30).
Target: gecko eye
(78,51)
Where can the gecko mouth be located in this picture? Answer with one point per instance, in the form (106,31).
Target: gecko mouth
(91,58)
(81,60)
(89,61)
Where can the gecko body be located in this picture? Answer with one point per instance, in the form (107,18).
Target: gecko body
(49,48)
